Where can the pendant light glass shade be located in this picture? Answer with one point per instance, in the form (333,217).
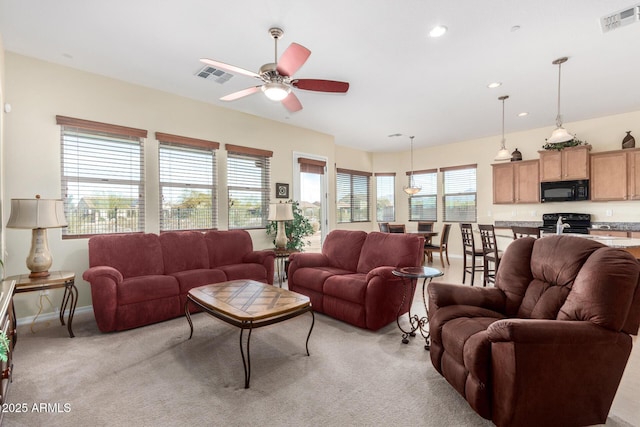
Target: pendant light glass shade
(503,154)
(559,134)
(412,188)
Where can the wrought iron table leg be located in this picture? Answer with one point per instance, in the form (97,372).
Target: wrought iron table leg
(412,319)
(69,298)
(246,362)
(188,316)
(313,321)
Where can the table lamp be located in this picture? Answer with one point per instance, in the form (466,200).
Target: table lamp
(37,214)
(281,212)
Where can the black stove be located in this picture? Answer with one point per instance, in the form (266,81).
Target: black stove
(578,223)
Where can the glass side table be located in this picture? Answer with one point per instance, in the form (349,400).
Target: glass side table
(409,276)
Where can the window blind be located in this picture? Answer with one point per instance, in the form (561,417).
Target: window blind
(460,196)
(102,168)
(385,197)
(248,182)
(311,166)
(423,206)
(188,184)
(352,191)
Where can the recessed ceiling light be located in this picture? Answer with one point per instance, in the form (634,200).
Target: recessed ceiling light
(437,31)
(524,113)
(515,28)
(494,85)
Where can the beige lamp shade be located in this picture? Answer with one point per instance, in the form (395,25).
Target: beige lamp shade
(37,213)
(280,212)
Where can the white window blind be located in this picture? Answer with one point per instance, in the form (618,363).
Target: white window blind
(352,195)
(102,169)
(188,185)
(423,206)
(248,182)
(385,197)
(459,199)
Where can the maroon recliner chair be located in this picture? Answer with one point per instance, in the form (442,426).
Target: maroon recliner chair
(547,346)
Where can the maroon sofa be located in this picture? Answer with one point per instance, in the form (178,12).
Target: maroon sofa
(351,279)
(143,278)
(547,346)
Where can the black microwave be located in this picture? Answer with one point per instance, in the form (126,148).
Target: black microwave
(564,191)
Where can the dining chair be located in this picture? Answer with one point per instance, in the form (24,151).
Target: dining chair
(519,232)
(384,227)
(441,248)
(425,226)
(491,254)
(469,247)
(397,228)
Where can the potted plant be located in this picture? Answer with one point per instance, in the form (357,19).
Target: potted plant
(296,230)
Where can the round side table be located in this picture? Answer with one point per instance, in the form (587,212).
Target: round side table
(409,276)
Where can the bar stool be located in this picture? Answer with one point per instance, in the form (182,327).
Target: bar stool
(519,232)
(469,248)
(491,254)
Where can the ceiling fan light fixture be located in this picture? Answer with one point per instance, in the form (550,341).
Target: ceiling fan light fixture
(438,31)
(276,91)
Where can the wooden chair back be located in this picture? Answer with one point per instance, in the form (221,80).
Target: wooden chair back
(519,232)
(397,228)
(425,226)
(384,227)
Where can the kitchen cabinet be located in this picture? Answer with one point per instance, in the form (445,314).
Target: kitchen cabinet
(615,175)
(563,165)
(516,182)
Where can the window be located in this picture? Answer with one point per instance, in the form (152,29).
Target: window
(102,171)
(248,186)
(352,195)
(459,198)
(188,187)
(423,206)
(385,197)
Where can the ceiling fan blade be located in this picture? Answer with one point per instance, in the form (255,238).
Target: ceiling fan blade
(241,93)
(231,68)
(292,103)
(292,59)
(321,85)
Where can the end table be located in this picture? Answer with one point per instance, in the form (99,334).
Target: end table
(409,276)
(55,280)
(281,257)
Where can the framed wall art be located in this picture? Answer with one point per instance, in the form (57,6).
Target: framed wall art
(282,191)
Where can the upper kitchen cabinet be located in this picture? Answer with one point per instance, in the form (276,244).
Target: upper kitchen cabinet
(516,182)
(567,164)
(615,175)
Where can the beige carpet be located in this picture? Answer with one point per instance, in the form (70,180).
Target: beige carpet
(155,376)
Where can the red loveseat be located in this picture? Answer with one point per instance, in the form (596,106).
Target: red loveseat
(351,279)
(138,279)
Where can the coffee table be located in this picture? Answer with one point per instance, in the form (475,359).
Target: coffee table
(248,304)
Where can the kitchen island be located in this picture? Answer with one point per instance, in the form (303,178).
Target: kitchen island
(629,244)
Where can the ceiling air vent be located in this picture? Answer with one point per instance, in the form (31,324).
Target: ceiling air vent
(619,19)
(211,73)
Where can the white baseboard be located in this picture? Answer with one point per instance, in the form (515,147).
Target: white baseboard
(47,317)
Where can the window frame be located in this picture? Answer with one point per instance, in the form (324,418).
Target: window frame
(383,175)
(446,195)
(424,193)
(184,144)
(103,134)
(352,176)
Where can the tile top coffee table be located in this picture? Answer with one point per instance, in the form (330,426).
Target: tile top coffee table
(412,274)
(248,304)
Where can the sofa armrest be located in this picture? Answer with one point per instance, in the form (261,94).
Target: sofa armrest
(259,257)
(104,282)
(385,273)
(306,259)
(444,294)
(555,332)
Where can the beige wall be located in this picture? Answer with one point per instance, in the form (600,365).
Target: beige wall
(38,91)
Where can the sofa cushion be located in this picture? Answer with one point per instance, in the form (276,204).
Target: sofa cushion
(227,247)
(350,287)
(343,247)
(146,288)
(183,250)
(193,278)
(395,250)
(250,271)
(133,255)
(310,278)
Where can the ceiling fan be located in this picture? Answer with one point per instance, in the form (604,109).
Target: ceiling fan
(276,77)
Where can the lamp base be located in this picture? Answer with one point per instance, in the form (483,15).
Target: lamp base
(39,259)
(281,236)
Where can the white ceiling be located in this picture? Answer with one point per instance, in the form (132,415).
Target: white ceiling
(401,80)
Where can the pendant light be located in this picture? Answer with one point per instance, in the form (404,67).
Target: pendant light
(503,154)
(560,134)
(412,188)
